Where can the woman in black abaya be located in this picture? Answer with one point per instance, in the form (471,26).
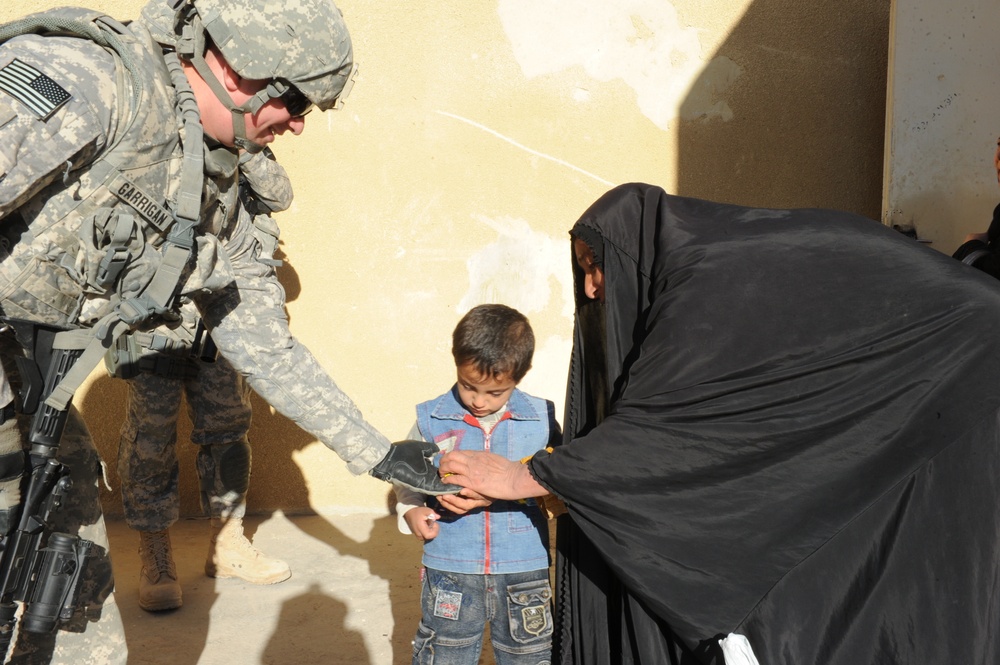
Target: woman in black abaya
(781,424)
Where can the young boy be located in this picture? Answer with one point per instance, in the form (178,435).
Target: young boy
(490,565)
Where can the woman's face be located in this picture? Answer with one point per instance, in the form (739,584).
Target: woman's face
(593,276)
(996,160)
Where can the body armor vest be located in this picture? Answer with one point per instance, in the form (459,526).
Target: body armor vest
(110,243)
(92,240)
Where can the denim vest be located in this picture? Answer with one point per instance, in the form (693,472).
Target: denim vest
(507,536)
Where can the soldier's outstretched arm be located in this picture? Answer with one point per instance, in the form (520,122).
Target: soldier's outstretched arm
(250,328)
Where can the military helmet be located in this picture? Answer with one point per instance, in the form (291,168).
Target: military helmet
(304,43)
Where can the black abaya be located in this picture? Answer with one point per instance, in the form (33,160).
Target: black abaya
(799,442)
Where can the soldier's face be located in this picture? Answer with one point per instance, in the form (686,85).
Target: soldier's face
(272,119)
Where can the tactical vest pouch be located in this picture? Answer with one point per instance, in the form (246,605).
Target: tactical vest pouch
(89,259)
(41,291)
(110,234)
(149,352)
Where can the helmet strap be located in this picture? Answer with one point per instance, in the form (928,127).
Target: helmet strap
(240,139)
(197,59)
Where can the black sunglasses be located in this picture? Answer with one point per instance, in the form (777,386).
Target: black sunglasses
(295,102)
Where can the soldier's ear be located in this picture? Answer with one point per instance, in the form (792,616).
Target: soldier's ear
(230,79)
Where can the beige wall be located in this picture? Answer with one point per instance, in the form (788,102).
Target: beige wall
(476,135)
(941,120)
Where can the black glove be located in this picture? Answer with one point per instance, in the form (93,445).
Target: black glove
(408,464)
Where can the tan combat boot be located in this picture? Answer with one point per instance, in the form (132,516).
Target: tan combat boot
(232,555)
(158,586)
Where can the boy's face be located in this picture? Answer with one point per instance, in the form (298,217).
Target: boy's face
(483,395)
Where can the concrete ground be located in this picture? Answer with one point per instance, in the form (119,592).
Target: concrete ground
(353,598)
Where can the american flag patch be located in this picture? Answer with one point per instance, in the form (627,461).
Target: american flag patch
(32,88)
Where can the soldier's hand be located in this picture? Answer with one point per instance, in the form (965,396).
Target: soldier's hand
(408,464)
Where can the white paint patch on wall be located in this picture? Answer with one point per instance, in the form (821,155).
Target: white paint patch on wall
(549,371)
(706,98)
(522,268)
(527,270)
(638,41)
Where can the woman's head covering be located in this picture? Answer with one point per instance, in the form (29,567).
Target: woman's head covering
(592,237)
(772,378)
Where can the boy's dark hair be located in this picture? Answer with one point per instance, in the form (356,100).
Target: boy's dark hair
(496,339)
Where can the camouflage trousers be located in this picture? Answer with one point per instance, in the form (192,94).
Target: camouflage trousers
(218,404)
(95,636)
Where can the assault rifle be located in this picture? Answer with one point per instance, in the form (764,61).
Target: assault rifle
(42,570)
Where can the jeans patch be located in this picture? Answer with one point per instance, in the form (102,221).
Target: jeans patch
(530,611)
(534,619)
(447,604)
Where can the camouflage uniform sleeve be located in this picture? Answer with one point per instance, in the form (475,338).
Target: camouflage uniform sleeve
(249,326)
(57,101)
(268,179)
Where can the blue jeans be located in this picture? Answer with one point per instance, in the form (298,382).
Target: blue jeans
(457,607)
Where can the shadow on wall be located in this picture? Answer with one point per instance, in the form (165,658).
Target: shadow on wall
(277,481)
(277,484)
(808,110)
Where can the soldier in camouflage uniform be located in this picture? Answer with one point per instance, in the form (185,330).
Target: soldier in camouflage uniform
(168,362)
(118,188)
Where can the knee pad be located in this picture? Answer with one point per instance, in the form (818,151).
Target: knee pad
(10,440)
(12,461)
(228,464)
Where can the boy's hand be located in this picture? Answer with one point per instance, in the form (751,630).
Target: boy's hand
(423,523)
(461,504)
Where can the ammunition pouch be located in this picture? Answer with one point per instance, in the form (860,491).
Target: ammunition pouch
(149,352)
(172,356)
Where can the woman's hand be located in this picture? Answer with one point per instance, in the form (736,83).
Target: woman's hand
(490,475)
